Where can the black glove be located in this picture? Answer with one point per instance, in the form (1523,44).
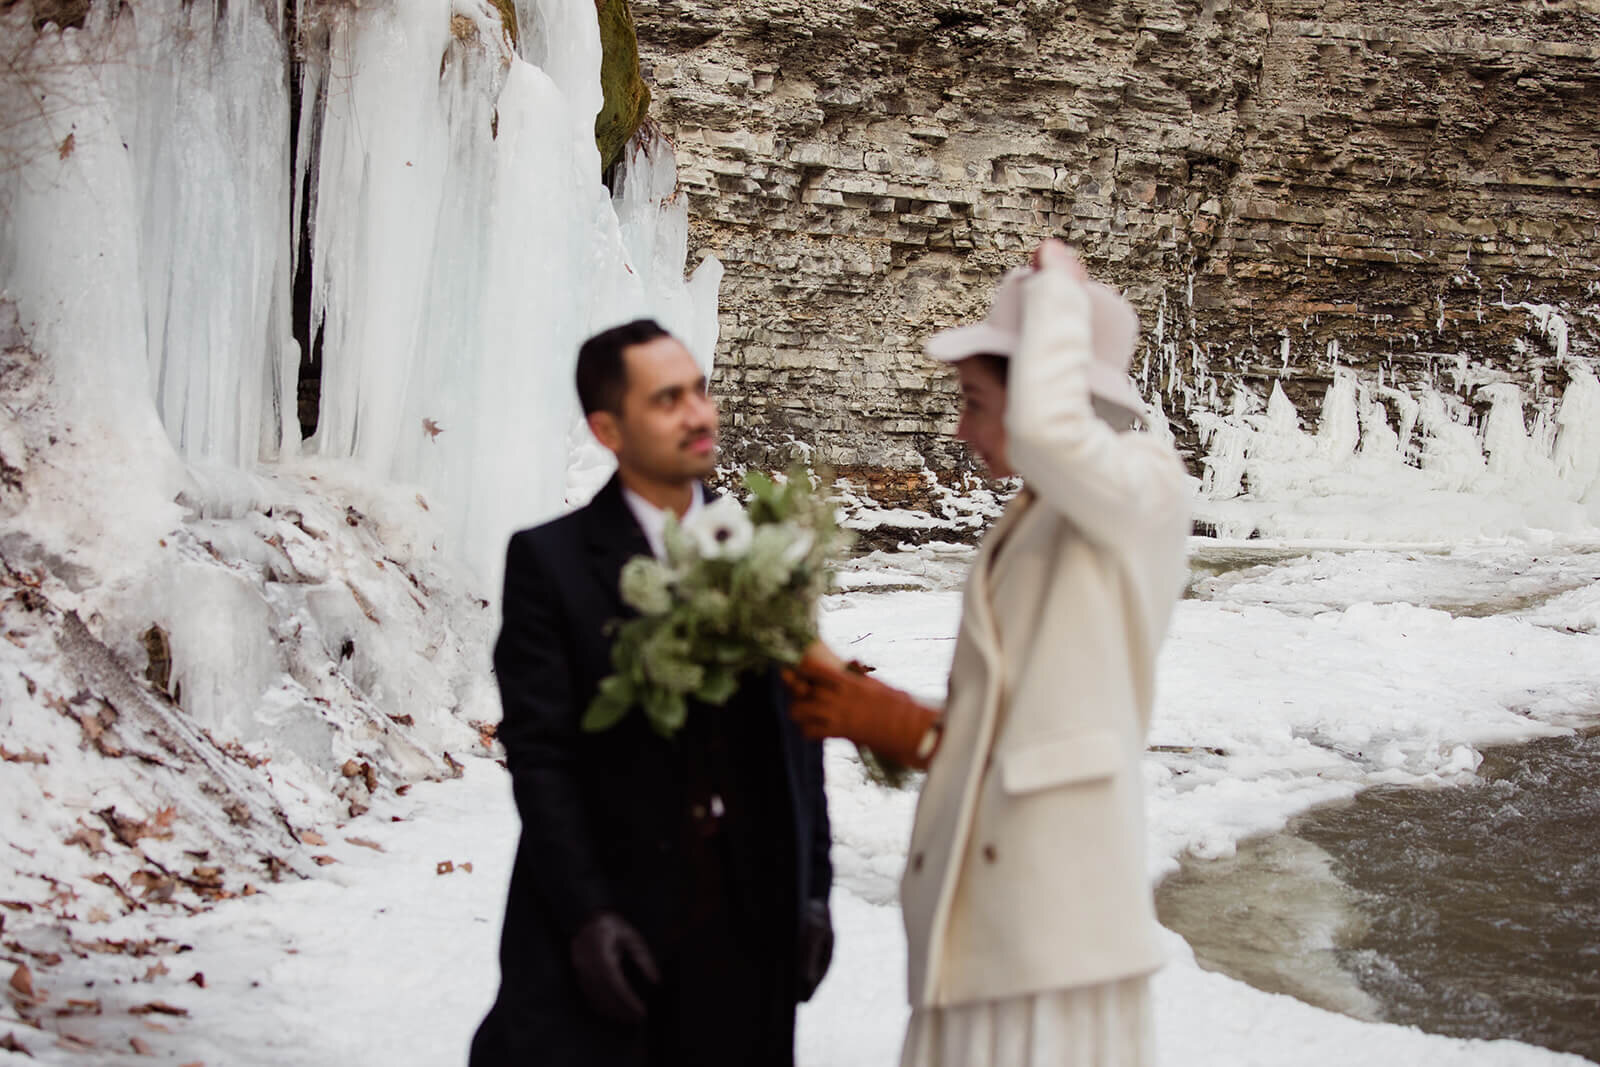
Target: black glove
(604,951)
(816,946)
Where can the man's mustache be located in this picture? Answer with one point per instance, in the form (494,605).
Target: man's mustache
(698,436)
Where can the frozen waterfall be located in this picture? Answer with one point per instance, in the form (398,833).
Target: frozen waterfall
(461,242)
(1434,476)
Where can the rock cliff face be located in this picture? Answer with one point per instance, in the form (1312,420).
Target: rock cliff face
(1410,189)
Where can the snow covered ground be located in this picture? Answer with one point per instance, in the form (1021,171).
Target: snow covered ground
(1287,682)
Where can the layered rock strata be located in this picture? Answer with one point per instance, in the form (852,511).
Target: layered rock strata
(1283,188)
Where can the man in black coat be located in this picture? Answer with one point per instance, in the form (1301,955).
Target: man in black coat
(668,905)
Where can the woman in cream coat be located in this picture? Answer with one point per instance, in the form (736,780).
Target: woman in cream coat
(1029,924)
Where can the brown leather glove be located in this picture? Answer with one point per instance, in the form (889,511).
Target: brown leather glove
(829,702)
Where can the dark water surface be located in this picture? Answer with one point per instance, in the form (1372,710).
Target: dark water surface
(1471,911)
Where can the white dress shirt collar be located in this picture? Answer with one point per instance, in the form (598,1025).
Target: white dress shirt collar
(653,520)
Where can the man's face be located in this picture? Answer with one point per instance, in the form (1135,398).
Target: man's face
(983,410)
(667,429)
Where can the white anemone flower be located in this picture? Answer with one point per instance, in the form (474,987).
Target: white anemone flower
(720,530)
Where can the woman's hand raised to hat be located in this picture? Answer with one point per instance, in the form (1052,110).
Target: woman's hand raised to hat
(1054,254)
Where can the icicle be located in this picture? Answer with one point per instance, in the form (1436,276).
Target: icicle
(1339,429)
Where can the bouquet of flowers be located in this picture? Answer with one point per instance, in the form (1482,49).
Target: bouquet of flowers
(737,592)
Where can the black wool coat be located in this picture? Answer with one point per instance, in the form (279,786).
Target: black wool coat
(603,813)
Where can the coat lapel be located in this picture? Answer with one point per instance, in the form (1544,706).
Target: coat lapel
(613,537)
(978,607)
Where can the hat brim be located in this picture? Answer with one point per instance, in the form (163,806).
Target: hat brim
(1106,382)
(964,342)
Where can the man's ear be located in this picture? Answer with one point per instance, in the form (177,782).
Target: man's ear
(606,430)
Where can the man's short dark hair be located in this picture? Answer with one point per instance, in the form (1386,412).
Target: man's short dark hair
(602,373)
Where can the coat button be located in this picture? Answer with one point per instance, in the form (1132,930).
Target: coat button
(916,862)
(989,854)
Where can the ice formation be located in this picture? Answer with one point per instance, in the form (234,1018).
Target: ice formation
(293,625)
(1435,477)
(462,243)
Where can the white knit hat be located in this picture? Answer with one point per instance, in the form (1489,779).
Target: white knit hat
(1113,329)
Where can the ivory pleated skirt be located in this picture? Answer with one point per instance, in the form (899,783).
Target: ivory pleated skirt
(1107,1025)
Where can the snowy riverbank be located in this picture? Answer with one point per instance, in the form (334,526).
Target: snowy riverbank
(1285,684)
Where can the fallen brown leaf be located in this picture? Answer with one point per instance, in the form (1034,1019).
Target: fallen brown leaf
(467,867)
(9,1043)
(159,1007)
(365,843)
(80,1007)
(22,982)
(68,143)
(141,1046)
(198,978)
(25,756)
(74,1043)
(323,861)
(157,886)
(311,837)
(208,875)
(93,841)
(444,867)
(156,970)
(151,1024)
(129,830)
(432,429)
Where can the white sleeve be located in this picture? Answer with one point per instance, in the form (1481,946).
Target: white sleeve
(1113,486)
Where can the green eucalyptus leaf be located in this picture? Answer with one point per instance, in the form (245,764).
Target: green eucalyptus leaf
(718,688)
(610,704)
(666,710)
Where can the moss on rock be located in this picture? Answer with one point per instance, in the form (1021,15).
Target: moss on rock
(627,97)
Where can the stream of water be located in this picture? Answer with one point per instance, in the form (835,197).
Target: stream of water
(1471,911)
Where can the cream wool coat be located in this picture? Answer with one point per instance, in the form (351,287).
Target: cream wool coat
(1026,870)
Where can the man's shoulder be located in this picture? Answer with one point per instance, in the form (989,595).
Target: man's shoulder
(554,535)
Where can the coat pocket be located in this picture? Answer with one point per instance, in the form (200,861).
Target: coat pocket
(1060,760)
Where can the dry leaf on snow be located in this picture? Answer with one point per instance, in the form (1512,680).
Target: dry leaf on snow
(22,982)
(94,841)
(80,1007)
